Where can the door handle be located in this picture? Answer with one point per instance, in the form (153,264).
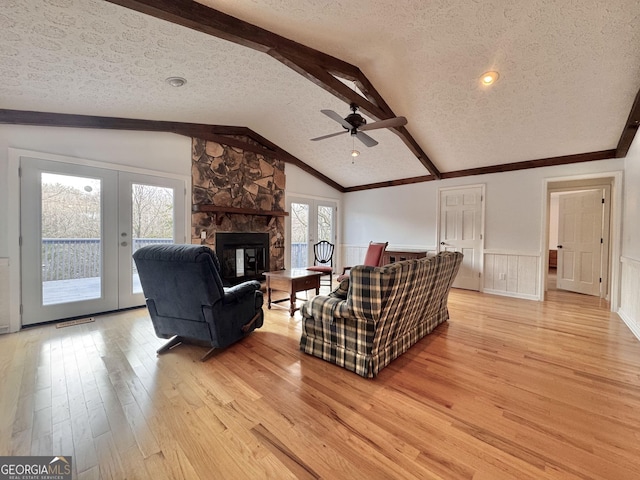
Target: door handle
(442,243)
(559,246)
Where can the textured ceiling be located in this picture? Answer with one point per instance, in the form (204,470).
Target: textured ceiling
(569,74)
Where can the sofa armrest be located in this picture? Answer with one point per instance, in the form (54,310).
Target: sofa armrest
(238,292)
(325,308)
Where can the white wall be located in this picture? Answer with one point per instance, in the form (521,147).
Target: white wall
(630,281)
(404,216)
(300,182)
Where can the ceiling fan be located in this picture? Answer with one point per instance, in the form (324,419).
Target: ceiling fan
(356,124)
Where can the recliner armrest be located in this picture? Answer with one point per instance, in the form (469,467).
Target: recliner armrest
(238,292)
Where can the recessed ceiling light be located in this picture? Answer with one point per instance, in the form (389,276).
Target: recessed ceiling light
(489,78)
(176,81)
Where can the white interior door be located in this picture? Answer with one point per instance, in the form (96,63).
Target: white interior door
(78,232)
(580,241)
(460,229)
(310,221)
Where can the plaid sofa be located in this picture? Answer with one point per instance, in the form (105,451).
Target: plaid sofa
(379,312)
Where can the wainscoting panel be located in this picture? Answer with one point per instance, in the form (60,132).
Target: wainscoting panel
(512,274)
(352,255)
(4,295)
(629,298)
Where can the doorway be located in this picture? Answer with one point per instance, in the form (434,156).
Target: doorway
(79,226)
(579,233)
(310,221)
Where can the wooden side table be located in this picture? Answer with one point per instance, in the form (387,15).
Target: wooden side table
(291,281)
(391,256)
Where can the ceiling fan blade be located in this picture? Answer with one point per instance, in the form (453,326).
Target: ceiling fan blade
(328,136)
(366,139)
(388,123)
(334,116)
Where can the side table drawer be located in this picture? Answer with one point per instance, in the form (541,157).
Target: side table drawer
(306,283)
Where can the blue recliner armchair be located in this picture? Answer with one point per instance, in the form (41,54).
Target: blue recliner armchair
(186,299)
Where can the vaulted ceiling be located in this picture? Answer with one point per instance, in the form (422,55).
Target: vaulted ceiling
(567,91)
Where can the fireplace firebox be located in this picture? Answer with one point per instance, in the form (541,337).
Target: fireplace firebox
(243,256)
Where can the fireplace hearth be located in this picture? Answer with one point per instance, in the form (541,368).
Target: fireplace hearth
(243,256)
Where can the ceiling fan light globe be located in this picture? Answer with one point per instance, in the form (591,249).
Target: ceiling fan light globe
(489,78)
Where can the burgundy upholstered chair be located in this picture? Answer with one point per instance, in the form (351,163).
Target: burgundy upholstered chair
(373,257)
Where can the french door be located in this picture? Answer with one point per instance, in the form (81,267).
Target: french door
(310,221)
(79,228)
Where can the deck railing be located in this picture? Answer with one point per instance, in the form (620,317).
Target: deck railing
(69,258)
(299,255)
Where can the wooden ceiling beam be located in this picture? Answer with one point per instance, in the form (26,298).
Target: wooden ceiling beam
(505,167)
(217,133)
(314,65)
(630,129)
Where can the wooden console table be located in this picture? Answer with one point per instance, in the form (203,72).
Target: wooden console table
(291,281)
(391,256)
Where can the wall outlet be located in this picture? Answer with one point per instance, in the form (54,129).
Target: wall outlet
(502,276)
(203,234)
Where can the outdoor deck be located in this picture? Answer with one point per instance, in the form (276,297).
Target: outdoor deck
(76,290)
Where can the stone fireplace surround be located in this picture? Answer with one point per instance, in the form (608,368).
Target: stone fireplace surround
(230,176)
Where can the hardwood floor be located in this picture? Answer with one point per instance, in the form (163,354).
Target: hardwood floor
(507,389)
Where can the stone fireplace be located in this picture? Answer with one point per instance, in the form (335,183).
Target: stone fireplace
(244,186)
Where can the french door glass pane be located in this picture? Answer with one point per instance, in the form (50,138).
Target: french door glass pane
(325,223)
(71,238)
(299,235)
(152,220)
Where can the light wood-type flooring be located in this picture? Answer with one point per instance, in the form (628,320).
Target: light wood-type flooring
(507,389)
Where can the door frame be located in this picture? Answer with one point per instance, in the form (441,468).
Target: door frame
(585,182)
(13,214)
(292,197)
(483,203)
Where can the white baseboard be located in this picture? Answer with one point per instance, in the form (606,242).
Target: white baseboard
(524,296)
(633,326)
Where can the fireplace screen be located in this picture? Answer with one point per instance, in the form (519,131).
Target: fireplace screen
(243,256)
